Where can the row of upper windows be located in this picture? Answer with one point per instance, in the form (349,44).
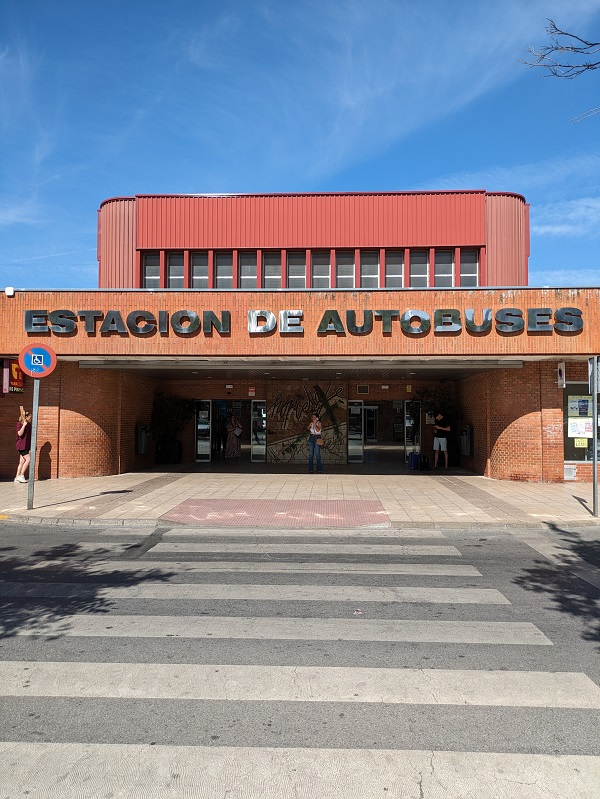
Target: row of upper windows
(414,268)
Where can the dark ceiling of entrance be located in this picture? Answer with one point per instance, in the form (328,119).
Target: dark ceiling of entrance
(290,370)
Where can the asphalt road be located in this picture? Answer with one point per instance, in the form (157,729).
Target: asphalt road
(243,663)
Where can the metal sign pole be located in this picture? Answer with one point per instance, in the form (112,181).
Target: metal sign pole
(34,421)
(595,433)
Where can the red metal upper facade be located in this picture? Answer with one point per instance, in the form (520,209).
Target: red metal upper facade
(495,225)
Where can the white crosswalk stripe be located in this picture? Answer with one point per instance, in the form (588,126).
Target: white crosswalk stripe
(291,629)
(299,684)
(168,567)
(155,772)
(95,673)
(260,548)
(278,593)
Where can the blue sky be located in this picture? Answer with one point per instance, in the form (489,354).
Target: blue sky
(129,97)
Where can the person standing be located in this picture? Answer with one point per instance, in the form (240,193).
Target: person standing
(315,431)
(23,444)
(441,428)
(233,446)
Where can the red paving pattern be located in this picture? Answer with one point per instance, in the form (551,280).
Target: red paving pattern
(286,513)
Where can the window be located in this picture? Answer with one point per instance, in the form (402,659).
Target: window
(296,270)
(199,270)
(344,269)
(151,270)
(469,268)
(578,423)
(320,272)
(394,269)
(419,263)
(272,270)
(247,270)
(175,270)
(444,269)
(369,269)
(223,270)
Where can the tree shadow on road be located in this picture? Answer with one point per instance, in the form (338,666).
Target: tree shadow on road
(26,602)
(568,592)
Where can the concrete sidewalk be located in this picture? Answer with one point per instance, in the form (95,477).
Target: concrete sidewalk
(299,501)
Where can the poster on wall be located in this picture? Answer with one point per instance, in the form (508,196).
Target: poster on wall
(580,428)
(579,406)
(12,377)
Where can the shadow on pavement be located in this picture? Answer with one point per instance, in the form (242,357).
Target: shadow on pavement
(569,593)
(67,563)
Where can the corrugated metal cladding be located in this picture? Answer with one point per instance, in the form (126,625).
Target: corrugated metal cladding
(507,224)
(312,221)
(116,244)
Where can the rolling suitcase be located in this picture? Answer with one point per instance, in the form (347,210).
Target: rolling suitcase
(414,460)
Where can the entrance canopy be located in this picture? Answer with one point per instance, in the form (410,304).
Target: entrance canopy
(350,368)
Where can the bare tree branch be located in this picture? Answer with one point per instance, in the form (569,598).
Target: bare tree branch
(556,59)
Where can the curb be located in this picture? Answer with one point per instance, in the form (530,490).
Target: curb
(482,527)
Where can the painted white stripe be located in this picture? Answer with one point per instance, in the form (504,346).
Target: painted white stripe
(313,549)
(194,566)
(49,770)
(341,533)
(276,593)
(299,684)
(291,629)
(309,593)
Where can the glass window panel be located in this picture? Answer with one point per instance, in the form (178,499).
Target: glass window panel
(296,270)
(394,269)
(247,270)
(469,267)
(419,262)
(320,275)
(175,270)
(369,269)
(151,270)
(578,421)
(344,269)
(199,270)
(223,270)
(272,270)
(444,268)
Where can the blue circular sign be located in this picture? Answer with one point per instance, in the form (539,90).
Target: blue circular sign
(37,360)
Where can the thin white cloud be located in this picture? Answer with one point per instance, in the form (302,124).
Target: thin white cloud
(579,217)
(22,212)
(49,255)
(565,278)
(525,178)
(326,84)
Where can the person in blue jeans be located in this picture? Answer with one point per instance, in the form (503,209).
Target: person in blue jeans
(315,430)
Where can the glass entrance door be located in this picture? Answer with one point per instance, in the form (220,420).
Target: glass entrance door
(258,443)
(203,419)
(412,427)
(355,431)
(371,432)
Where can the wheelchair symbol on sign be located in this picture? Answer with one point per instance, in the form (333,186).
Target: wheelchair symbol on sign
(37,360)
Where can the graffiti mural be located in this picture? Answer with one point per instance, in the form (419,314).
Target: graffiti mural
(288,415)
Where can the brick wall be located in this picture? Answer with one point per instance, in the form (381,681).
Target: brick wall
(517,421)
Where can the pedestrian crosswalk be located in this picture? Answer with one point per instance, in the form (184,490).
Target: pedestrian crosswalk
(279,665)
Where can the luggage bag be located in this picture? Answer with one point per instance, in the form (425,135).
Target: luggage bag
(414,460)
